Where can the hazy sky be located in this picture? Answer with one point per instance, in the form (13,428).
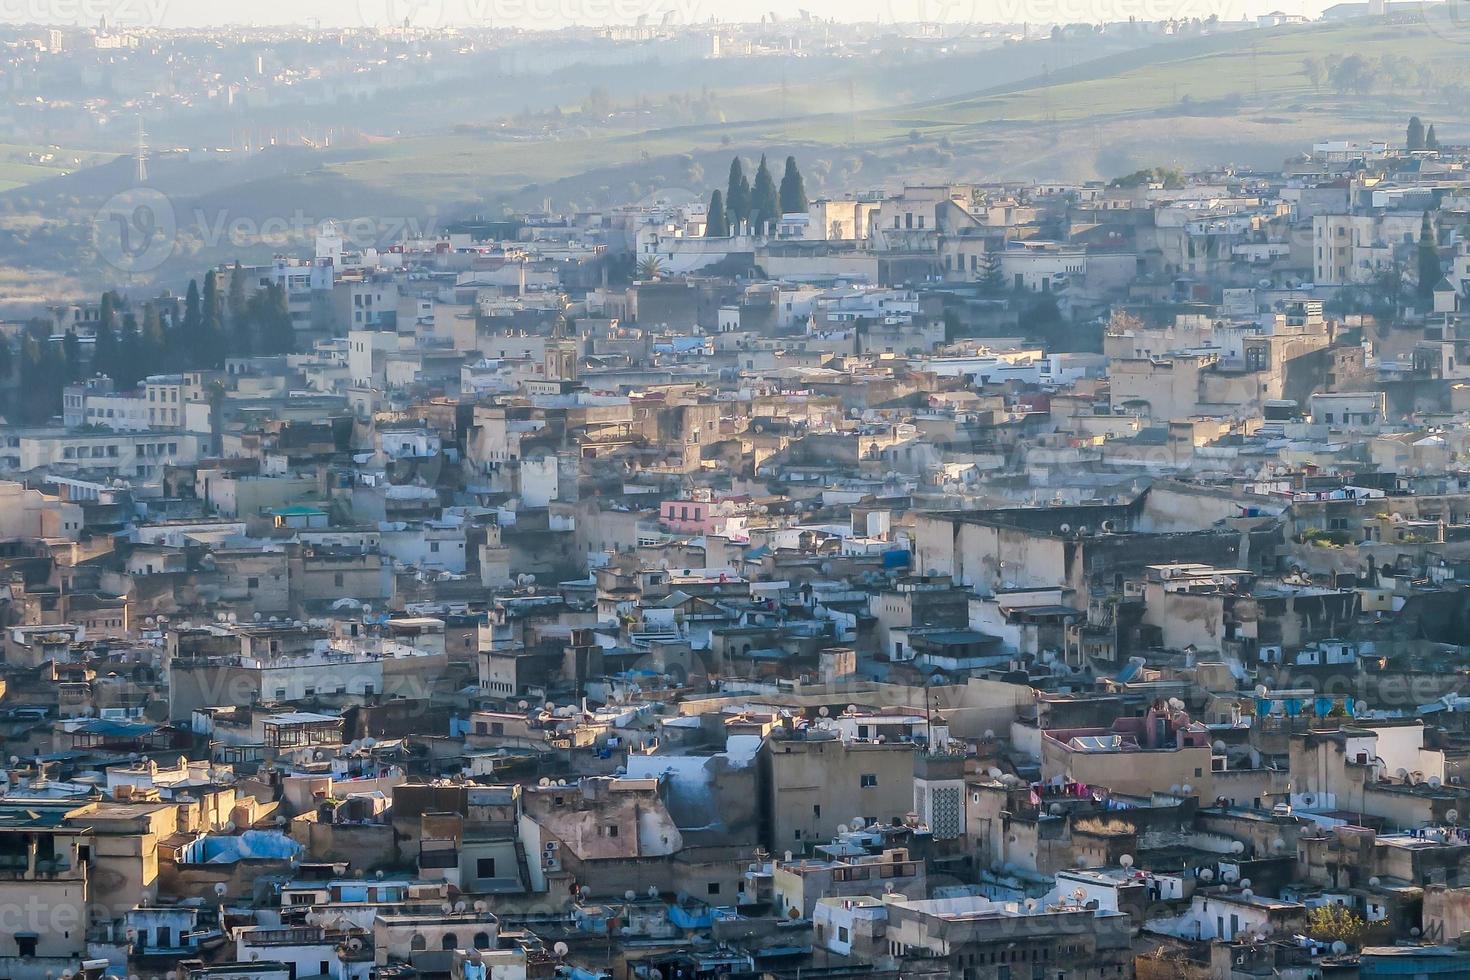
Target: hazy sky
(559,13)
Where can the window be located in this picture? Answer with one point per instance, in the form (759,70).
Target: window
(612,830)
(713,888)
(868,779)
(252,582)
(338,580)
(485,868)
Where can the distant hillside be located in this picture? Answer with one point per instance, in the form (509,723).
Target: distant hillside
(1245,97)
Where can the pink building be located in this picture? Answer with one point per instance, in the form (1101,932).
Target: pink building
(688,516)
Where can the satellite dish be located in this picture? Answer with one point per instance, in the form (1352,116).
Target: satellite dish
(1126,860)
(561,949)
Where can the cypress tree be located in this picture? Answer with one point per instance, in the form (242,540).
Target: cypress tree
(1414,135)
(1431,142)
(765,208)
(105,351)
(132,362)
(281,316)
(71,352)
(192,340)
(237,291)
(33,370)
(715,225)
(793,189)
(211,326)
(737,196)
(154,343)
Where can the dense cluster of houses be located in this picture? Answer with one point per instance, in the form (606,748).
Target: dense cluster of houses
(983,581)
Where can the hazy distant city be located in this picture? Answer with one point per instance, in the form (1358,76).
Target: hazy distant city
(902,490)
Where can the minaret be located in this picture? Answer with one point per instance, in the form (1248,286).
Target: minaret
(562,357)
(939,793)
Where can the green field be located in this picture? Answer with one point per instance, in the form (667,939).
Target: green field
(19,166)
(1240,97)
(1180,99)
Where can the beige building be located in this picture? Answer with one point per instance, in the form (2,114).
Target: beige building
(812,785)
(32,514)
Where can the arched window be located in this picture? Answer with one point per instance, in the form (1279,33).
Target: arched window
(418,942)
(450,941)
(482,940)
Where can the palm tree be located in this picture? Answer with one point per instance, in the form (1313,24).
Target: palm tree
(650,268)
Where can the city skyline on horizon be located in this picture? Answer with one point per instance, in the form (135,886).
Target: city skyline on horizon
(559,14)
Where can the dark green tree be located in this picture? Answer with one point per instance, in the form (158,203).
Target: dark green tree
(131,359)
(992,279)
(272,320)
(154,342)
(765,206)
(1414,135)
(71,353)
(737,196)
(107,311)
(236,299)
(1431,141)
(211,326)
(191,341)
(793,189)
(44,372)
(105,349)
(1429,268)
(715,225)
